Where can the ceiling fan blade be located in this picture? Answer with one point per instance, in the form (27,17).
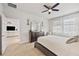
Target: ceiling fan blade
(55,5)
(55,9)
(44,11)
(46,7)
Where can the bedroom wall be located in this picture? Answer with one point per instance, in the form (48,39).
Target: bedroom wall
(3,28)
(23,16)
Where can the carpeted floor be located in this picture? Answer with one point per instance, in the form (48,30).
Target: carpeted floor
(22,50)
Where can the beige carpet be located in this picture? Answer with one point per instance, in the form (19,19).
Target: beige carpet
(22,50)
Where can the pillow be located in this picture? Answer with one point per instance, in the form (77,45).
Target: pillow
(72,40)
(77,37)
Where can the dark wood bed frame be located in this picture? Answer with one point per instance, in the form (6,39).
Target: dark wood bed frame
(43,49)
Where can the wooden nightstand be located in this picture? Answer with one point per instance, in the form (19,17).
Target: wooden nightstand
(33,36)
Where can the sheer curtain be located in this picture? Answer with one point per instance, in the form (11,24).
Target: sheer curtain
(57,26)
(65,25)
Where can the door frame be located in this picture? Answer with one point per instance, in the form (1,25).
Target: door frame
(0,35)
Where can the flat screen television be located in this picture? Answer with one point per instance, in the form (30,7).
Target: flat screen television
(10,28)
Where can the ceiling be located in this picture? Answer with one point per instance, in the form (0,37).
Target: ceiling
(34,8)
(37,8)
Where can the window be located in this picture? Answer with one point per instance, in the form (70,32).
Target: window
(65,25)
(69,27)
(57,26)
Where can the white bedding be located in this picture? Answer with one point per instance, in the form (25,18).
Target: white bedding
(58,45)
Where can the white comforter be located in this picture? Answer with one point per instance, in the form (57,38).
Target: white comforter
(58,45)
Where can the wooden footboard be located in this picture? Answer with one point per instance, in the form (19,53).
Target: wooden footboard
(43,49)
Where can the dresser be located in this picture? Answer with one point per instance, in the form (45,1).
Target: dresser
(33,35)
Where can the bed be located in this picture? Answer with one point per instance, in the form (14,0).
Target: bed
(56,46)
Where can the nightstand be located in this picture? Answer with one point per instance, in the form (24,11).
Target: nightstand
(33,35)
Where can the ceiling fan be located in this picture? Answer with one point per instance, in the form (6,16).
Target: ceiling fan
(49,9)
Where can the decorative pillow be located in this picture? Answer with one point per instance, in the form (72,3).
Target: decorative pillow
(77,37)
(72,40)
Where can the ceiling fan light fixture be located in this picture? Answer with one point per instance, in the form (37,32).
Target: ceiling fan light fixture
(49,10)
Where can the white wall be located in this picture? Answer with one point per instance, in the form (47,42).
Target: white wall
(3,31)
(23,16)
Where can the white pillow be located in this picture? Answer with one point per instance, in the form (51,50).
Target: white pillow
(72,39)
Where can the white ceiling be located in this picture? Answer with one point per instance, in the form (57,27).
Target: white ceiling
(37,8)
(34,8)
